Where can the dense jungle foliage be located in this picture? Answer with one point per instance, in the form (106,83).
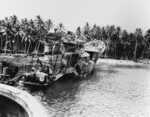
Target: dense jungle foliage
(25,36)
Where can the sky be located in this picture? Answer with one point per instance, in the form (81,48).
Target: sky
(129,14)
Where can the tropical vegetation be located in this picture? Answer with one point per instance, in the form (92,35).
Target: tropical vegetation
(120,44)
(25,36)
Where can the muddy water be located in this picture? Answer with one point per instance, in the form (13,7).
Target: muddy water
(112,91)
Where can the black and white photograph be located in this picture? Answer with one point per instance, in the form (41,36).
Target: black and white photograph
(74,58)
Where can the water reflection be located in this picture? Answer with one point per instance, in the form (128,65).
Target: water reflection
(110,91)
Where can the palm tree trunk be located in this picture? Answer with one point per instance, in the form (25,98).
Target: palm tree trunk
(125,53)
(17,46)
(1,42)
(107,50)
(29,47)
(135,50)
(25,48)
(35,48)
(109,43)
(38,48)
(115,49)
(11,43)
(6,43)
(144,49)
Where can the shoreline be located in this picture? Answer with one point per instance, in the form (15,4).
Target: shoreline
(115,62)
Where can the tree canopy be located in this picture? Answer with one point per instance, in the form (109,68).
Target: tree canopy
(25,36)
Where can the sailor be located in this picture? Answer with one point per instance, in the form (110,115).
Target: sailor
(30,76)
(40,76)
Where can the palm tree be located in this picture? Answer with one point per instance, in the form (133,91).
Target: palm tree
(39,27)
(27,28)
(98,34)
(2,30)
(125,43)
(49,25)
(26,38)
(94,31)
(13,20)
(147,39)
(15,29)
(78,32)
(138,36)
(118,31)
(86,30)
(61,27)
(18,36)
(103,33)
(8,33)
(110,31)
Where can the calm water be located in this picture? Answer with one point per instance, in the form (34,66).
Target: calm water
(112,91)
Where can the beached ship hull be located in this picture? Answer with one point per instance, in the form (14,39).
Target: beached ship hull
(85,64)
(61,58)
